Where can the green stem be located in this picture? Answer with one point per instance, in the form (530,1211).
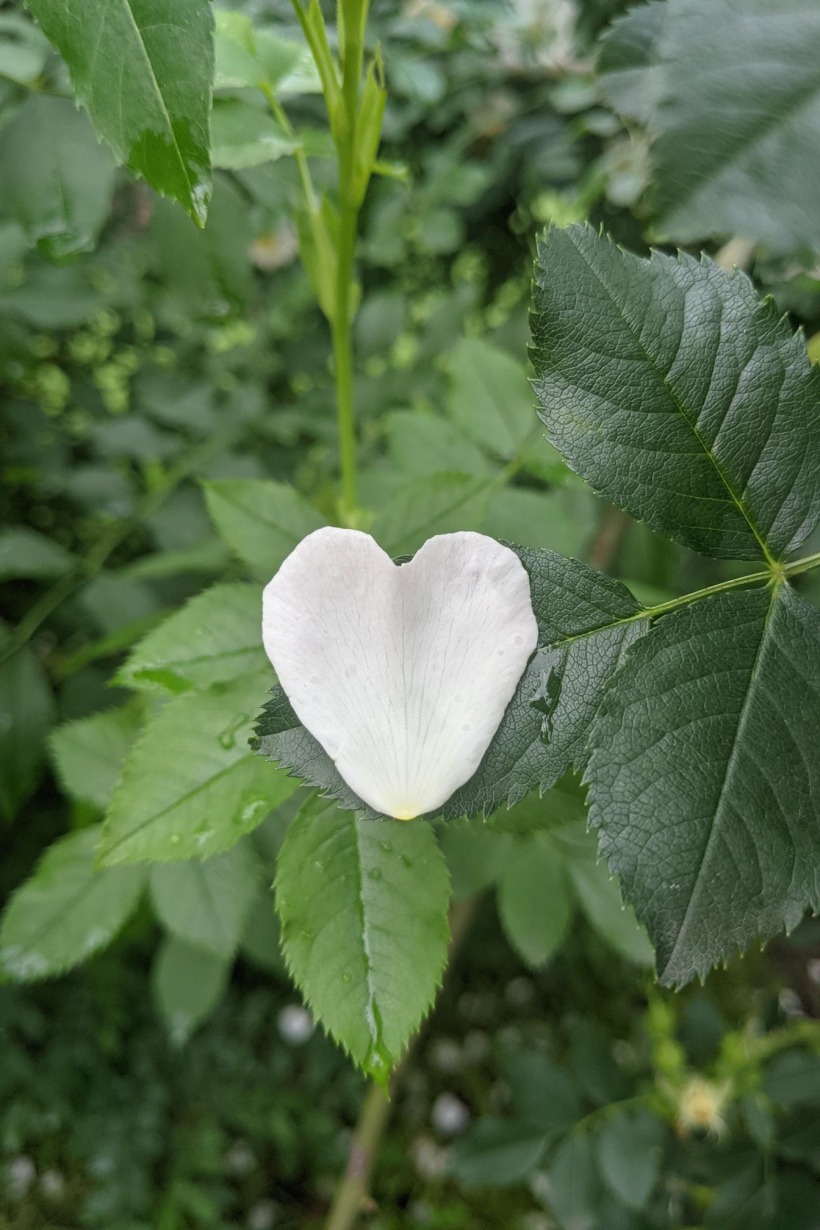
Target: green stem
(802,565)
(343,352)
(352,1191)
(769,576)
(299,155)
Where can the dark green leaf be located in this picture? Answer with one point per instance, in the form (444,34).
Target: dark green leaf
(793,1080)
(261,520)
(57,178)
(704,777)
(534,900)
(67,911)
(188,984)
(207,903)
(575,1192)
(191,786)
(476,855)
(213,639)
(363,908)
(757,172)
(496,1152)
(678,394)
(543,1093)
(586,620)
(26,713)
(629,1154)
(143,69)
(260,939)
(631,75)
(26,554)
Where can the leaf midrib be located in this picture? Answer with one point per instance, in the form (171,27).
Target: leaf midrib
(695,183)
(141,43)
(183,798)
(716,826)
(368,956)
(678,404)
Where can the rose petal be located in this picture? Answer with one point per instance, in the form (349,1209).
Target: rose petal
(402,672)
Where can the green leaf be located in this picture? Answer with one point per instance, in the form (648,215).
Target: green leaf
(188,983)
(26,554)
(88,754)
(543,1093)
(245,136)
(57,179)
(586,621)
(214,638)
(438,504)
(476,855)
(757,172)
(260,939)
(66,911)
(490,397)
(575,1191)
(424,444)
(26,713)
(678,394)
(629,1155)
(704,777)
(261,520)
(260,58)
(563,519)
(534,900)
(143,70)
(207,904)
(630,72)
(601,901)
(23,50)
(496,1152)
(191,786)
(363,908)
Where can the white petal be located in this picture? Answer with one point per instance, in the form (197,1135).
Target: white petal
(403,672)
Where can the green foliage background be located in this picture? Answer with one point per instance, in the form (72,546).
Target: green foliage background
(167,435)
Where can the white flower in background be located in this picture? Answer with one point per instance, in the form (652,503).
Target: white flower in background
(402,672)
(701,1106)
(536,34)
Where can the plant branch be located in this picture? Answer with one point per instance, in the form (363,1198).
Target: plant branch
(771,576)
(351,1195)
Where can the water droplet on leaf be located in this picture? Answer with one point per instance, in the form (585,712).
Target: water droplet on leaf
(546,698)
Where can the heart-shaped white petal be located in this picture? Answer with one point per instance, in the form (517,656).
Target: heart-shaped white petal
(402,672)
